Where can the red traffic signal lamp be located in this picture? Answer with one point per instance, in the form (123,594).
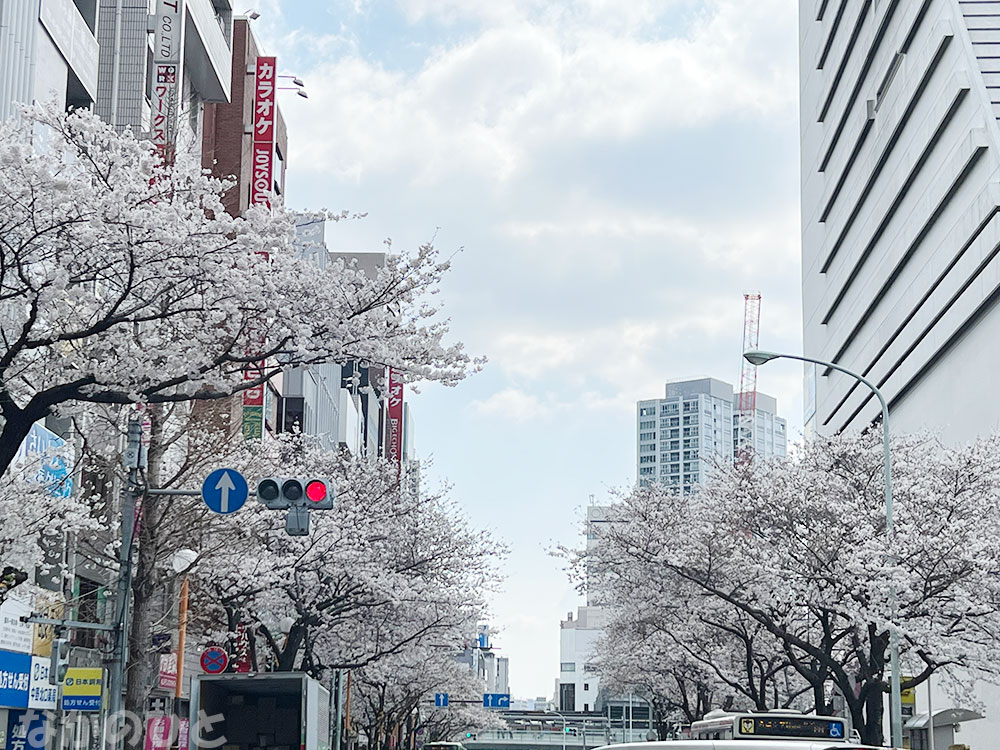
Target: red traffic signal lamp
(283,493)
(319,494)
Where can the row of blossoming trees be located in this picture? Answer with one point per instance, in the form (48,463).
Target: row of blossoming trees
(123,281)
(776,585)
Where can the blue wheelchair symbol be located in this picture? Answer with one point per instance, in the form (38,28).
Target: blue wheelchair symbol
(836,729)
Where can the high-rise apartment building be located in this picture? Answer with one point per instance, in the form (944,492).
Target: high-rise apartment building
(900,203)
(683,436)
(900,160)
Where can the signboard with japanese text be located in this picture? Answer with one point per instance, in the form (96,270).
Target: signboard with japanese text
(15,679)
(168,671)
(163,115)
(26,730)
(394,420)
(261,186)
(15,634)
(158,732)
(82,689)
(264,115)
(41,694)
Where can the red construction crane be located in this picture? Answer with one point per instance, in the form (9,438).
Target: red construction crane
(746,399)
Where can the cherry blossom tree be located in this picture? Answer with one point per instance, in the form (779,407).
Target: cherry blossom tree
(385,570)
(395,695)
(123,280)
(798,548)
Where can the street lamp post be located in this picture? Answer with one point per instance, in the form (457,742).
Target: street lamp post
(553,711)
(895,703)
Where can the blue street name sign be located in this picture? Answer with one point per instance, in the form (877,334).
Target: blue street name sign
(441,700)
(225,490)
(496,700)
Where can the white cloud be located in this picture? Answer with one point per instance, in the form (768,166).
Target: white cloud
(513,405)
(491,101)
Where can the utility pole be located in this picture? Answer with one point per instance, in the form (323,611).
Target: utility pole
(133,460)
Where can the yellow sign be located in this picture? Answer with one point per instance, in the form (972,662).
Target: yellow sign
(746,726)
(907,697)
(82,689)
(83,681)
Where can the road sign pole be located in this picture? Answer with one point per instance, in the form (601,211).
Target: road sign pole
(119,658)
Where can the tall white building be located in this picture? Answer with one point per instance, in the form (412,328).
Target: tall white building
(682,436)
(900,203)
(900,154)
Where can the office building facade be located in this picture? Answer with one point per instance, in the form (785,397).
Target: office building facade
(900,151)
(900,179)
(680,438)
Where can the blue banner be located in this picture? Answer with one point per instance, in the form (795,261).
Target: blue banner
(26,730)
(50,458)
(15,678)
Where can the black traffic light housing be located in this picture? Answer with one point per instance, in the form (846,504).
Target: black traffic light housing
(297,495)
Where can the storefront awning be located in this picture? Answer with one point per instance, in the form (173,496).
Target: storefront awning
(942,718)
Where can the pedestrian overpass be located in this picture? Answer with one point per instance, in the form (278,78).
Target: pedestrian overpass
(519,739)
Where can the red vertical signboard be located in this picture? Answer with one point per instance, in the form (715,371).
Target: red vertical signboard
(261,185)
(264,110)
(394,422)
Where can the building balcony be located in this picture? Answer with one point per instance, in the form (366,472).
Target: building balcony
(74,37)
(208,55)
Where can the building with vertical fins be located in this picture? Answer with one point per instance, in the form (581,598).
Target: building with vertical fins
(900,180)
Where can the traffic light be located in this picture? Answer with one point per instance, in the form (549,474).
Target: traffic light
(470,735)
(59,661)
(282,493)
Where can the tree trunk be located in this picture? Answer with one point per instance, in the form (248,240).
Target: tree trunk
(16,427)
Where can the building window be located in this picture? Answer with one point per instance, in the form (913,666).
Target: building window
(567,666)
(647,411)
(648,424)
(647,436)
(647,470)
(692,419)
(647,459)
(647,448)
(668,409)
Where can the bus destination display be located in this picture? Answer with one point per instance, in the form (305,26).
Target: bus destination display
(812,727)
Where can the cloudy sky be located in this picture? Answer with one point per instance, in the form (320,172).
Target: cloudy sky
(616,172)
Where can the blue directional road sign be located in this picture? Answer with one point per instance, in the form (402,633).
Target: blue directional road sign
(496,700)
(225,490)
(440,700)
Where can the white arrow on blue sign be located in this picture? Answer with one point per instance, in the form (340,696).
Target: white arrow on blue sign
(496,700)
(440,700)
(225,490)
